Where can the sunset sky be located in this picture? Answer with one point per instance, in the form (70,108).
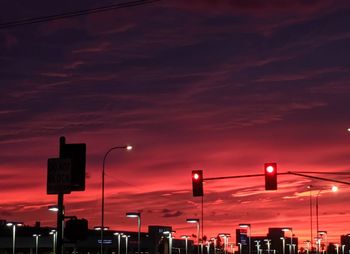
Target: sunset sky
(222,86)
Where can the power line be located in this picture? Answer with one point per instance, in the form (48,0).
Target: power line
(75,13)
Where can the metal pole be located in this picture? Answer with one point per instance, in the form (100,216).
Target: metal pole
(119,243)
(36,244)
(249,240)
(186,244)
(13,238)
(198,233)
(60,212)
(311,237)
(202,223)
(139,234)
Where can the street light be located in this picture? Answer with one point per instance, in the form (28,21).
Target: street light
(322,234)
(118,234)
(138,216)
(128,148)
(170,236)
(36,236)
(291,237)
(283,245)
(126,243)
(225,236)
(240,248)
(195,221)
(186,242)
(257,246)
(53,232)
(268,242)
(98,228)
(249,236)
(14,225)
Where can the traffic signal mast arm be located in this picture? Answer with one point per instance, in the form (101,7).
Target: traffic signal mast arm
(287,173)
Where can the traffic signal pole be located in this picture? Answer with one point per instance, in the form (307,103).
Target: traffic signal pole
(60,212)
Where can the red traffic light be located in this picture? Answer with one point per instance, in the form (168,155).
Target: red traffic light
(270,171)
(197,183)
(195,176)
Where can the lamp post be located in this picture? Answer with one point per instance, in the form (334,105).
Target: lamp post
(291,238)
(118,235)
(225,236)
(14,225)
(138,216)
(257,246)
(53,232)
(170,236)
(337,248)
(268,242)
(126,243)
(128,148)
(36,236)
(322,234)
(240,247)
(333,189)
(283,245)
(249,236)
(195,221)
(186,242)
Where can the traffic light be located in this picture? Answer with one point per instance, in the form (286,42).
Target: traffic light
(270,170)
(77,154)
(197,183)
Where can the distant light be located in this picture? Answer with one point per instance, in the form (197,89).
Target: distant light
(244,225)
(133,215)
(196,176)
(348,129)
(335,188)
(53,208)
(9,224)
(192,220)
(129,148)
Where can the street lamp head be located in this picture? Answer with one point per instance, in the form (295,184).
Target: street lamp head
(322,232)
(192,220)
(335,188)
(125,236)
(129,147)
(99,228)
(244,225)
(117,233)
(133,215)
(185,236)
(286,229)
(53,208)
(11,224)
(36,235)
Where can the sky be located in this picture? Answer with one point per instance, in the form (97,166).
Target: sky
(221,86)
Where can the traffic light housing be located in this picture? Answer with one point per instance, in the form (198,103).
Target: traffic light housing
(197,183)
(77,154)
(270,171)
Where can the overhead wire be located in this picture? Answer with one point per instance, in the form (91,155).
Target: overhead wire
(72,14)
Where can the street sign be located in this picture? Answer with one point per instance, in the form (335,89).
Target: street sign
(58,176)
